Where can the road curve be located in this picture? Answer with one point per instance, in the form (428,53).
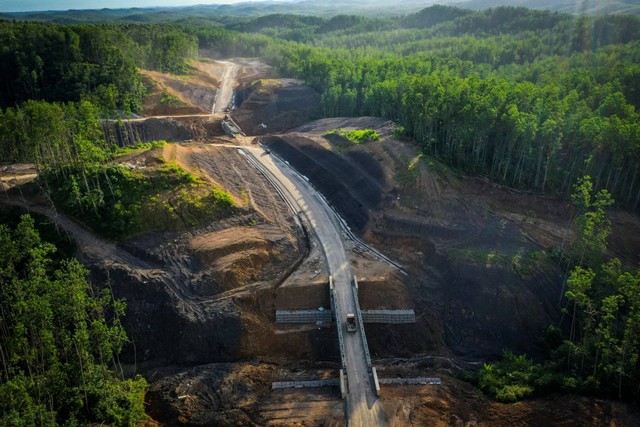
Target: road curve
(363,407)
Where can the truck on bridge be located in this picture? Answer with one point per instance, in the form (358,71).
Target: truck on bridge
(351,322)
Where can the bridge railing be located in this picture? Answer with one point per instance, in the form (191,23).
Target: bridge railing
(389,316)
(354,288)
(279,385)
(338,317)
(303,316)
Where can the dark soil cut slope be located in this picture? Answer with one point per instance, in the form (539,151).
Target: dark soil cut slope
(268,106)
(352,184)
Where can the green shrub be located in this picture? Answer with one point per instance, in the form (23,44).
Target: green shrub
(358,136)
(140,146)
(509,380)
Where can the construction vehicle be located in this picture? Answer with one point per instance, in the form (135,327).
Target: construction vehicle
(351,322)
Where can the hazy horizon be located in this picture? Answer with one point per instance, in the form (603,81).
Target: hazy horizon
(46,5)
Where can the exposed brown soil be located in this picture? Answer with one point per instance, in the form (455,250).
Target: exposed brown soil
(240,394)
(456,403)
(192,93)
(12,175)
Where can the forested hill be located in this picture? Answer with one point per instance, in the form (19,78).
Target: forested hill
(532,99)
(98,63)
(586,7)
(327,9)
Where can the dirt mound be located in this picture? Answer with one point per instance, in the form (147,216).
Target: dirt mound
(162,100)
(215,394)
(211,246)
(322,126)
(191,93)
(240,394)
(133,131)
(15,174)
(238,255)
(268,106)
(170,129)
(456,403)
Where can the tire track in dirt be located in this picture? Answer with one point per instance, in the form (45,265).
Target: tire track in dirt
(225,165)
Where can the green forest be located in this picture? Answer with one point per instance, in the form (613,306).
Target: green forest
(60,339)
(541,101)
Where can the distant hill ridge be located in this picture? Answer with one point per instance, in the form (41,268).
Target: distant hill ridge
(327,9)
(576,7)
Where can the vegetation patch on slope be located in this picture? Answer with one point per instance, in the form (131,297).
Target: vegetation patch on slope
(357,136)
(123,199)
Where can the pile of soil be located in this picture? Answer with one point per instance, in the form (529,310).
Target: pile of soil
(240,394)
(213,394)
(15,174)
(191,93)
(170,129)
(457,403)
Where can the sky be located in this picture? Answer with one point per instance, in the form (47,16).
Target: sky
(30,5)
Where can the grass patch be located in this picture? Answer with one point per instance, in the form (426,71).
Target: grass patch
(479,256)
(170,99)
(141,146)
(265,87)
(527,263)
(358,136)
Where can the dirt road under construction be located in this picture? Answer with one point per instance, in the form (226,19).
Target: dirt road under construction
(228,82)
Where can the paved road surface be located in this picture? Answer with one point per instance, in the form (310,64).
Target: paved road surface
(363,407)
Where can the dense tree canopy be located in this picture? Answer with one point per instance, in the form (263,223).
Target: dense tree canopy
(529,103)
(99,62)
(59,340)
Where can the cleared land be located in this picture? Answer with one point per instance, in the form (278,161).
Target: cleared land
(201,301)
